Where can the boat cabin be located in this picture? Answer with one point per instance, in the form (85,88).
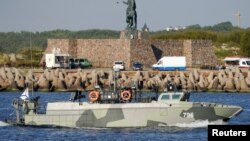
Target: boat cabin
(173,97)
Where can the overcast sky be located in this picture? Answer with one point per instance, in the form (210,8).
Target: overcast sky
(44,15)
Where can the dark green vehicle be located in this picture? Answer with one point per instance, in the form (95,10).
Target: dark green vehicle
(79,63)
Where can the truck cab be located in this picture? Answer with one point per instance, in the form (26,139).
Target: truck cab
(79,63)
(57,60)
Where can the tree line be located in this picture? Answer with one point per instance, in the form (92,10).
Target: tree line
(222,33)
(14,42)
(225,32)
(26,45)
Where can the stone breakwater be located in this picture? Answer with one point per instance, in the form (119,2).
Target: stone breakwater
(61,79)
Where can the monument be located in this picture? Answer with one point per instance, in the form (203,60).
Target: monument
(134,45)
(131,15)
(131,31)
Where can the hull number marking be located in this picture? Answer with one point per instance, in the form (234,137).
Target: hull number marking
(188,115)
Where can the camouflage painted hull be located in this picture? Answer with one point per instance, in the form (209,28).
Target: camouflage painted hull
(83,114)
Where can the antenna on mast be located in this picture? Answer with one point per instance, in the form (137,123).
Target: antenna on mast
(238,16)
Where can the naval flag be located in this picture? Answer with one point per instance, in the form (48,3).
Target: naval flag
(25,95)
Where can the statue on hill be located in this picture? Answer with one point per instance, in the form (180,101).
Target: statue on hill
(131,15)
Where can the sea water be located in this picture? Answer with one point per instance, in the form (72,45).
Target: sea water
(196,131)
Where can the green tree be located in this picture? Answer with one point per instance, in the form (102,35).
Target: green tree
(196,26)
(245,44)
(4,59)
(223,27)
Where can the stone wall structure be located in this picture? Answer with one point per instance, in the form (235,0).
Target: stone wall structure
(102,52)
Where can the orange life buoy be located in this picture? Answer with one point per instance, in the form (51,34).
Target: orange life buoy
(93,96)
(125,95)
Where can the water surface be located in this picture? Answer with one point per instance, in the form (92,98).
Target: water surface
(189,132)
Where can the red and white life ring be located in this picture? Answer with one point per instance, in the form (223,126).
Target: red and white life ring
(126,95)
(94,96)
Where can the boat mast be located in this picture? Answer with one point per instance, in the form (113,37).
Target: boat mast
(116,74)
(31,66)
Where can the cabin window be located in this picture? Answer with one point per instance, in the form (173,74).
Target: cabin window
(159,63)
(248,62)
(176,96)
(165,97)
(244,63)
(232,63)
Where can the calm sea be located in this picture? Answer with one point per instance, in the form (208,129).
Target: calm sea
(188,132)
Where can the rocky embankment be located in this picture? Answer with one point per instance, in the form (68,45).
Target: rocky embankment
(60,79)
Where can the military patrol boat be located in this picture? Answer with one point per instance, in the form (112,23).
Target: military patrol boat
(123,108)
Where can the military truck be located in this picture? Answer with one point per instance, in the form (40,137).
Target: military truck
(79,63)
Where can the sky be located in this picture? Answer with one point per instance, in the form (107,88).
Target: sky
(75,15)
